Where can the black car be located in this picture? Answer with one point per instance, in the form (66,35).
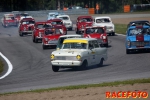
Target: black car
(138,22)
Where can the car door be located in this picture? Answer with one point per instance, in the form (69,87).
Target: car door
(92,53)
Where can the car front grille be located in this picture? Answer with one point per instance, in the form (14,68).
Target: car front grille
(138,43)
(65,58)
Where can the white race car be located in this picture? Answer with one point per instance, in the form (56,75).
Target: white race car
(105,22)
(66,20)
(78,53)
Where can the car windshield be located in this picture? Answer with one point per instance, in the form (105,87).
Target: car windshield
(76,45)
(10,18)
(49,32)
(103,20)
(85,20)
(28,22)
(94,30)
(40,26)
(52,15)
(57,22)
(47,26)
(137,31)
(24,14)
(64,18)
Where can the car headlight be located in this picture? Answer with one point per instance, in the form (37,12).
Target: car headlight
(46,39)
(52,56)
(128,43)
(104,37)
(78,57)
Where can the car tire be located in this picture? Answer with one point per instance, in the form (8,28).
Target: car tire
(33,39)
(84,65)
(106,45)
(21,34)
(100,63)
(36,40)
(44,47)
(127,51)
(55,68)
(77,31)
(113,33)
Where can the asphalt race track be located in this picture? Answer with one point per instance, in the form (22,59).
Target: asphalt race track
(32,66)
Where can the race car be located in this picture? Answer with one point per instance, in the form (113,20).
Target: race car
(78,53)
(39,30)
(82,22)
(58,24)
(137,38)
(66,21)
(26,26)
(50,37)
(97,32)
(105,22)
(9,20)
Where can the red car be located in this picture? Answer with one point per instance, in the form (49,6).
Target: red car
(97,32)
(39,30)
(50,37)
(9,20)
(82,22)
(19,15)
(26,26)
(58,24)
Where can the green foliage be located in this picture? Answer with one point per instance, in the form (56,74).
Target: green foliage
(120,28)
(1,66)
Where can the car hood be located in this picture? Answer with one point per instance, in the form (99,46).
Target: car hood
(86,23)
(58,26)
(68,52)
(139,38)
(52,37)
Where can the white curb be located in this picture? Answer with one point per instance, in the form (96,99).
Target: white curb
(10,67)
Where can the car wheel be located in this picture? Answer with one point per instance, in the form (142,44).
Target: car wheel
(77,31)
(36,40)
(55,68)
(127,51)
(44,47)
(20,33)
(113,33)
(70,29)
(101,62)
(84,65)
(106,45)
(33,39)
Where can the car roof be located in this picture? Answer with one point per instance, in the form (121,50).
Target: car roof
(9,15)
(102,17)
(87,39)
(69,35)
(62,15)
(85,17)
(144,26)
(138,21)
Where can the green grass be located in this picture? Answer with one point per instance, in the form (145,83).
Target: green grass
(1,66)
(115,83)
(121,28)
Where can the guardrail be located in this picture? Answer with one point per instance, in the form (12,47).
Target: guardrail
(43,13)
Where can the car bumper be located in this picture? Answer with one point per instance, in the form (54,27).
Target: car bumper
(135,48)
(66,63)
(108,31)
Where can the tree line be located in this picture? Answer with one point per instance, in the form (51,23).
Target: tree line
(106,6)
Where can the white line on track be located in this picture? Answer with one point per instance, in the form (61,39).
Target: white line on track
(120,34)
(10,66)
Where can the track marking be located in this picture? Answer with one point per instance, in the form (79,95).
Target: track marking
(10,66)
(120,34)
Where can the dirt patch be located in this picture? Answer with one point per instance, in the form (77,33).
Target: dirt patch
(97,93)
(127,20)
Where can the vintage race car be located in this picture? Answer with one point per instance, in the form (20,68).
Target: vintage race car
(82,22)
(97,32)
(18,15)
(78,53)
(39,30)
(105,22)
(58,24)
(66,21)
(138,22)
(50,37)
(137,38)
(26,26)
(63,37)
(53,15)
(9,20)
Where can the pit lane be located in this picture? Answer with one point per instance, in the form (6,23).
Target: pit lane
(32,66)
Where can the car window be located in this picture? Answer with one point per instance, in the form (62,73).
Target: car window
(103,20)
(138,31)
(91,46)
(96,45)
(77,45)
(48,32)
(85,20)
(64,18)
(94,30)
(47,26)
(57,22)
(40,26)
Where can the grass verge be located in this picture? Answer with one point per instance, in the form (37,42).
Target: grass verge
(104,84)
(1,66)
(121,28)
